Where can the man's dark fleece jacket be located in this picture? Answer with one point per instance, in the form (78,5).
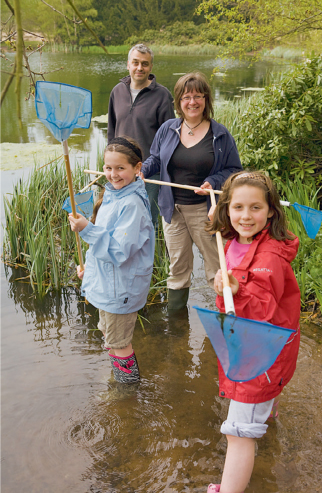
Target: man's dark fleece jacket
(140,120)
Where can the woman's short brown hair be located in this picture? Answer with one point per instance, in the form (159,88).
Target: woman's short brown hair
(189,82)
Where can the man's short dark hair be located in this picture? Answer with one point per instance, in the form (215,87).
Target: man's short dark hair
(142,49)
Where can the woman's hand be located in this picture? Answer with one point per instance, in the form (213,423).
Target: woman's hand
(218,283)
(205,186)
(80,273)
(78,223)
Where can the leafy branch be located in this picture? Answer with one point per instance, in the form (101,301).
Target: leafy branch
(17,43)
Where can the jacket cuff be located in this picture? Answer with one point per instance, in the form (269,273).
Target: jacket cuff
(85,234)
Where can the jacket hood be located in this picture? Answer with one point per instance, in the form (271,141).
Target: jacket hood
(136,187)
(286,249)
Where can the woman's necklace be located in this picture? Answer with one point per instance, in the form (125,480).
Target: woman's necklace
(192,128)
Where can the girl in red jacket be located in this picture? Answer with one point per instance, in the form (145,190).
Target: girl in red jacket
(258,255)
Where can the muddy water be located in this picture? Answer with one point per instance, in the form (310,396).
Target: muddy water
(67,426)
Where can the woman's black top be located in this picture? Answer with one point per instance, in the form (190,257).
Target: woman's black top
(190,166)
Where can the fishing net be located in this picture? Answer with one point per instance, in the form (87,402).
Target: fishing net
(245,348)
(311,219)
(62,107)
(84,203)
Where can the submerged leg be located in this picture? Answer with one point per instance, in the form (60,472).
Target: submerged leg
(177,298)
(125,368)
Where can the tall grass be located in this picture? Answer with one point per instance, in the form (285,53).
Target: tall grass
(228,114)
(189,49)
(38,237)
(37,234)
(70,48)
(160,274)
(307,265)
(285,52)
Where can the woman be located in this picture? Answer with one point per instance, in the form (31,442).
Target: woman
(192,150)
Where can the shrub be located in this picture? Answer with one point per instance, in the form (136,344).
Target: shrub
(283,126)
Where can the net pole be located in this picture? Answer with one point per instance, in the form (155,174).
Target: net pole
(228,296)
(72,200)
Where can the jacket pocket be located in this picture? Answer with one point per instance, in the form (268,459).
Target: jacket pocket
(107,285)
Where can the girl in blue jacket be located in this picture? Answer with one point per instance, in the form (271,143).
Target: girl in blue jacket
(119,260)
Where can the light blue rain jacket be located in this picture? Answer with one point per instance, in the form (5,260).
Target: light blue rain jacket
(119,260)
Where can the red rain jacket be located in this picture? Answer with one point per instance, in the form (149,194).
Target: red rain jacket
(268,292)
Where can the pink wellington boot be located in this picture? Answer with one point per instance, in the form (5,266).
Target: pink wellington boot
(213,488)
(274,411)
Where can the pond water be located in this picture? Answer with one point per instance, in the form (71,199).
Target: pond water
(66,424)
(100,73)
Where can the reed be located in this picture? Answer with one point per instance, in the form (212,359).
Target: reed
(38,237)
(158,287)
(228,114)
(285,52)
(37,234)
(70,48)
(188,49)
(307,265)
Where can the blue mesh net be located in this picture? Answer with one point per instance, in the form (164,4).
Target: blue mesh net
(84,204)
(62,107)
(311,219)
(245,348)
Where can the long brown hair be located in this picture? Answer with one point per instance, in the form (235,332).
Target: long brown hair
(124,145)
(276,225)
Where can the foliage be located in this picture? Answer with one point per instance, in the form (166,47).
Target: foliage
(112,21)
(179,33)
(38,238)
(282,128)
(246,25)
(37,235)
(307,265)
(161,265)
(57,21)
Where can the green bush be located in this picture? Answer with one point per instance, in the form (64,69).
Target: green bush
(282,128)
(307,265)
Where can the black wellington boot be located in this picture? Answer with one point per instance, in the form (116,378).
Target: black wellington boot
(177,298)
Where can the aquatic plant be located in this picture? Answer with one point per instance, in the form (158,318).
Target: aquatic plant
(307,265)
(160,274)
(38,238)
(37,234)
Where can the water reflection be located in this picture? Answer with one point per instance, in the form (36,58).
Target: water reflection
(68,426)
(100,73)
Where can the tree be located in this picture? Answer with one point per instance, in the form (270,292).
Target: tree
(242,26)
(15,38)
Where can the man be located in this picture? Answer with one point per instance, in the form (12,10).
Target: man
(138,106)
